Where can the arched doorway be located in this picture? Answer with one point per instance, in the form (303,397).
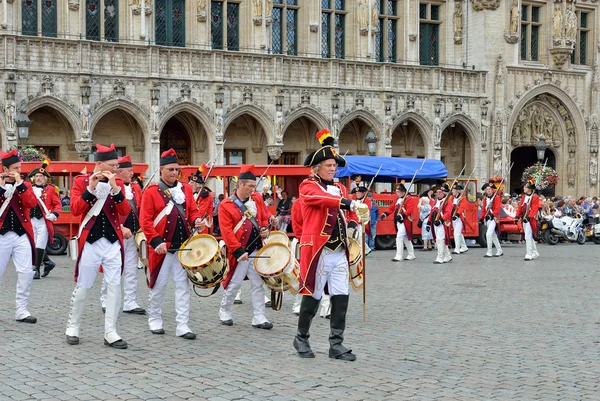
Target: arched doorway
(524,157)
(407,141)
(456,150)
(245,142)
(174,135)
(51,130)
(121,128)
(352,137)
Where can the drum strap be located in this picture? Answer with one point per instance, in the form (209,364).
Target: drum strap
(238,202)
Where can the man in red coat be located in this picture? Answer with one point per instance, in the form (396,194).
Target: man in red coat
(204,198)
(99,200)
(402,209)
(490,213)
(16,232)
(440,218)
(459,207)
(324,266)
(244,221)
(168,211)
(528,211)
(130,224)
(43,215)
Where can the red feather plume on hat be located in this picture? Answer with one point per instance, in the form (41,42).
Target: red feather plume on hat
(103,149)
(170,152)
(248,168)
(6,155)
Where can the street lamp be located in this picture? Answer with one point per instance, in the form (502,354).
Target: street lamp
(541,147)
(371,140)
(23,123)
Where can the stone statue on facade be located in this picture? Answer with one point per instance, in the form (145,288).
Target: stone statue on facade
(9,113)
(570,24)
(155,117)
(458,22)
(85,113)
(557,22)
(279,121)
(497,163)
(593,172)
(201,10)
(571,172)
(500,70)
(515,17)
(437,139)
(219,124)
(257,8)
(363,16)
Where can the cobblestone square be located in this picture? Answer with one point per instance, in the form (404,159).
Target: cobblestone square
(474,329)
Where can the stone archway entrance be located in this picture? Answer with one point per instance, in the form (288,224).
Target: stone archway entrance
(407,141)
(352,137)
(174,135)
(456,150)
(524,157)
(51,130)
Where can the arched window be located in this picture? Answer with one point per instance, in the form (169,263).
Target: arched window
(169,23)
(30,13)
(102,10)
(225,24)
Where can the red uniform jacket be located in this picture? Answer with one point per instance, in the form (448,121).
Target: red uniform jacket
(494,209)
(137,201)
(533,211)
(446,215)
(205,208)
(460,209)
(81,203)
(229,217)
(319,210)
(408,208)
(297,219)
(22,201)
(53,204)
(154,201)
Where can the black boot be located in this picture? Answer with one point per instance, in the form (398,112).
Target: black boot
(39,256)
(308,310)
(48,265)
(339,306)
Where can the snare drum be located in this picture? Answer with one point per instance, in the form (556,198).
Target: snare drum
(142,247)
(280,270)
(204,262)
(354,251)
(277,236)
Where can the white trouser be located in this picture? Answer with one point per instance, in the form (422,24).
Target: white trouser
(243,269)
(40,233)
(492,237)
(20,249)
(440,233)
(130,277)
(459,238)
(530,244)
(325,306)
(297,302)
(401,241)
(332,270)
(182,295)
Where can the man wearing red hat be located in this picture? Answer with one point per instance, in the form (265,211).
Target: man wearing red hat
(99,199)
(204,198)
(440,219)
(168,211)
(130,224)
(16,232)
(459,207)
(244,220)
(528,212)
(324,258)
(402,209)
(490,213)
(43,215)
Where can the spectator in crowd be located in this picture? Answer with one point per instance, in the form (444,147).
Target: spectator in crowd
(374,219)
(216,202)
(284,210)
(424,210)
(64,197)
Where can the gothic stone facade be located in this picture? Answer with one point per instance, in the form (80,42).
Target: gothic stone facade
(488,93)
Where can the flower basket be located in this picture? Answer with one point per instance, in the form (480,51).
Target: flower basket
(31,154)
(542,176)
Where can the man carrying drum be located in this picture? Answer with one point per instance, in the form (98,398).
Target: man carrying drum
(168,209)
(130,224)
(244,221)
(203,197)
(324,266)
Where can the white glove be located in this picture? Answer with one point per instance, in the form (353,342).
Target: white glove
(51,217)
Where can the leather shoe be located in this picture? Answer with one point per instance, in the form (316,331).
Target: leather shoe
(120,344)
(347,356)
(36,274)
(48,268)
(158,331)
(227,322)
(72,340)
(497,255)
(268,304)
(136,311)
(487,256)
(396,260)
(188,336)
(308,354)
(237,302)
(265,325)
(28,319)
(103,309)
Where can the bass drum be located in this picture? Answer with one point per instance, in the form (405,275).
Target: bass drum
(204,262)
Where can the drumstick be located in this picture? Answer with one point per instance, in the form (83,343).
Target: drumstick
(179,249)
(258,257)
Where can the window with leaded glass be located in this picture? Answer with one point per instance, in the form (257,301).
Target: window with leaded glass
(429,38)
(225,24)
(580,52)
(29,17)
(530,32)
(169,23)
(333,28)
(92,19)
(385,38)
(111,20)
(98,27)
(285,27)
(48,9)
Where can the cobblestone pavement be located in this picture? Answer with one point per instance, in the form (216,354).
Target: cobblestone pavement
(474,329)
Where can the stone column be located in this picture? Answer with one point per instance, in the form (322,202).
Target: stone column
(219,127)
(153,132)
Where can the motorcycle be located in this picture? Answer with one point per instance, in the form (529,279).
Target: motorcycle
(594,223)
(565,227)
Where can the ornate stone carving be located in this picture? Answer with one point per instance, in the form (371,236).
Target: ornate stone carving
(480,5)
(410,102)
(412,37)
(458,22)
(279,119)
(85,113)
(571,172)
(515,17)
(185,91)
(47,84)
(593,171)
(437,132)
(85,90)
(359,100)
(363,17)
(247,95)
(155,117)
(74,5)
(10,88)
(557,22)
(274,151)
(594,135)
(10,109)
(458,104)
(500,70)
(201,10)
(83,148)
(257,12)
(119,87)
(485,124)
(305,98)
(534,122)
(314,28)
(497,163)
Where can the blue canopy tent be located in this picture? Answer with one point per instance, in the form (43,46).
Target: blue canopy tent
(392,168)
